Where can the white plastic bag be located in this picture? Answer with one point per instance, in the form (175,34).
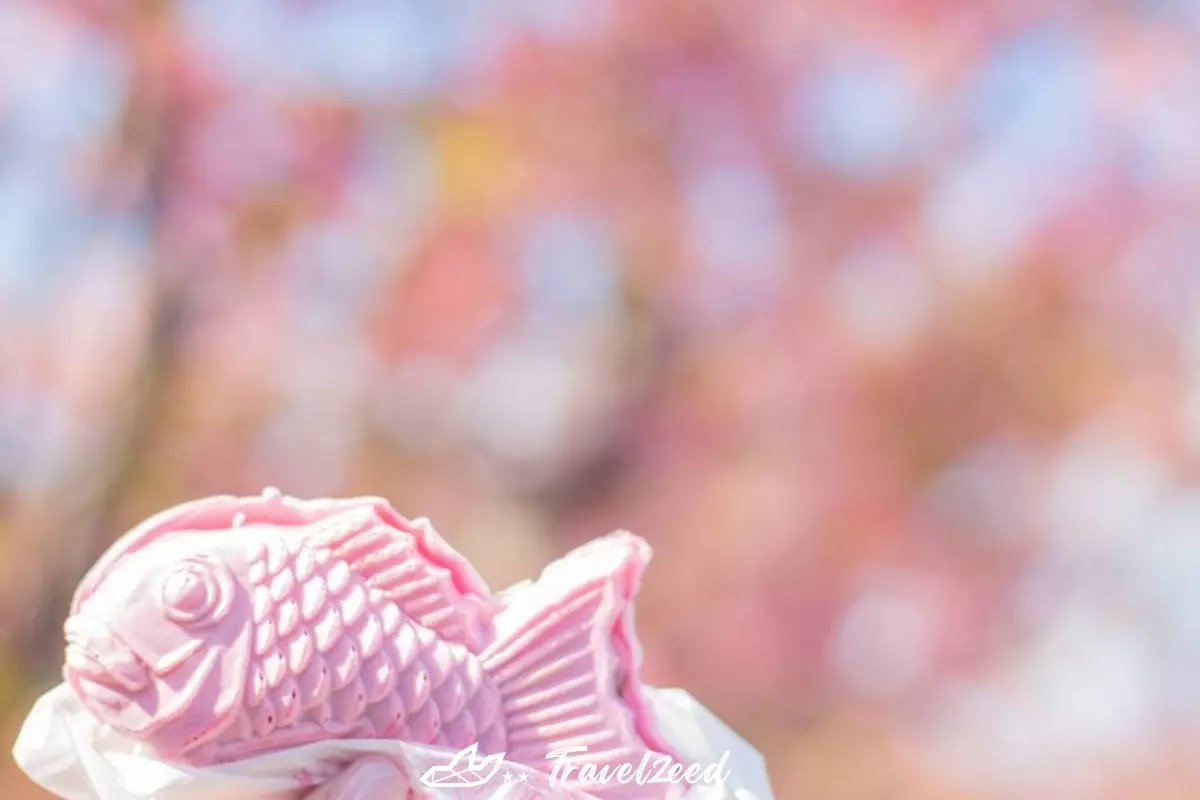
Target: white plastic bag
(66,750)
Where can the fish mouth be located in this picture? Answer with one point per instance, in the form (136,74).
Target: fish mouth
(100,665)
(96,691)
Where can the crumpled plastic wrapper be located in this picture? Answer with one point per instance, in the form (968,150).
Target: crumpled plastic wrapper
(66,750)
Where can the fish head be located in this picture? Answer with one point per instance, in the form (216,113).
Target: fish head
(161,648)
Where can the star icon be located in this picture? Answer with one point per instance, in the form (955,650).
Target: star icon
(524,777)
(508,776)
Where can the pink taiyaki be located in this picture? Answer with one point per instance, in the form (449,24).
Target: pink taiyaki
(230,627)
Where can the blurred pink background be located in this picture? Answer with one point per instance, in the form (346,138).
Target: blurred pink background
(877,319)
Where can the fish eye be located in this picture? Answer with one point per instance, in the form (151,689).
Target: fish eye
(190,592)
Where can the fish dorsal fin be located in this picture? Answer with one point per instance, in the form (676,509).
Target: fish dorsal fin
(411,565)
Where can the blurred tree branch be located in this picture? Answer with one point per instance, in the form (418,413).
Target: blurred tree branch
(69,526)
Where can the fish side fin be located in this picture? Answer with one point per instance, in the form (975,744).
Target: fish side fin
(566,660)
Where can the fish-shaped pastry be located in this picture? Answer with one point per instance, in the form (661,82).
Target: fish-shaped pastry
(231,627)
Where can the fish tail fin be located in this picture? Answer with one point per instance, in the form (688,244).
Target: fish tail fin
(567,662)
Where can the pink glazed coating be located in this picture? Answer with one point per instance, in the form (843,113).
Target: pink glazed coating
(231,627)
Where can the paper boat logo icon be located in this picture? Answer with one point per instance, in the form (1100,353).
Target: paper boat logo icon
(465,770)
